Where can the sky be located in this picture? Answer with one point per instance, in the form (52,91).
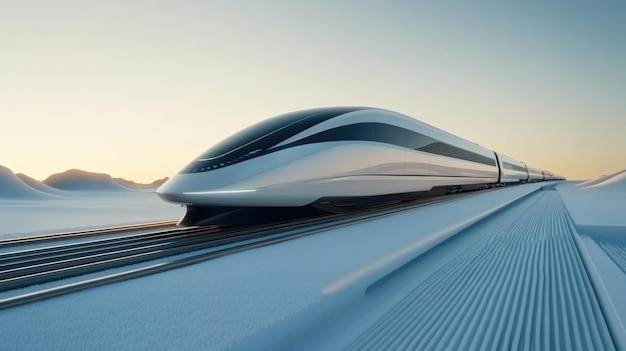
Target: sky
(138,89)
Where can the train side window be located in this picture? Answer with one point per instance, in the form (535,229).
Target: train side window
(393,135)
(360,131)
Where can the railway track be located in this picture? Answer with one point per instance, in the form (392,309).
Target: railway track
(24,268)
(85,233)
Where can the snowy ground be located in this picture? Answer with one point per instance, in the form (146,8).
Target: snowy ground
(326,290)
(22,218)
(80,200)
(598,209)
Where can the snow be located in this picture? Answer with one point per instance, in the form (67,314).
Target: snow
(11,187)
(322,291)
(224,302)
(614,183)
(44,188)
(29,207)
(75,179)
(488,295)
(597,202)
(598,209)
(602,181)
(610,286)
(23,218)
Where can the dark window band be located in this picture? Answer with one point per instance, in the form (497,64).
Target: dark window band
(448,150)
(390,134)
(257,139)
(374,132)
(514,167)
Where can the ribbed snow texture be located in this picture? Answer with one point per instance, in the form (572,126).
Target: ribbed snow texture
(615,247)
(522,286)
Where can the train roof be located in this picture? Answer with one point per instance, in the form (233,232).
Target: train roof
(279,132)
(275,130)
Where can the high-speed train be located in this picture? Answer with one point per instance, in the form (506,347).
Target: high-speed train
(330,159)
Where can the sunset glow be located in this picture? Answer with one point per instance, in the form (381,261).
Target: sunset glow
(137,89)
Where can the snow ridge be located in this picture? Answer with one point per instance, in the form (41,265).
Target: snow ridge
(613,243)
(13,188)
(616,180)
(522,285)
(617,253)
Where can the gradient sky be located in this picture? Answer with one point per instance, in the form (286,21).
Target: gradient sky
(137,89)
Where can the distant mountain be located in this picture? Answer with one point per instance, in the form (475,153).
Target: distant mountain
(130,184)
(12,187)
(76,179)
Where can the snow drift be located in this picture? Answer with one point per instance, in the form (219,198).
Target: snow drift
(78,180)
(597,202)
(12,187)
(615,182)
(37,185)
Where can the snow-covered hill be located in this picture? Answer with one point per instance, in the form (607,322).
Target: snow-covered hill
(615,182)
(37,185)
(12,187)
(78,180)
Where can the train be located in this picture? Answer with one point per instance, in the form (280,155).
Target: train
(334,159)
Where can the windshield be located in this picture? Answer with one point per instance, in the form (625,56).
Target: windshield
(258,138)
(254,132)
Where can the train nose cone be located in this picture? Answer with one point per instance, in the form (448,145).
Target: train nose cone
(173,190)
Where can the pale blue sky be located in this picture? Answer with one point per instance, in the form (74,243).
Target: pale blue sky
(137,89)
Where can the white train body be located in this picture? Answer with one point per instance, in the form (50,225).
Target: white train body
(299,158)
(512,171)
